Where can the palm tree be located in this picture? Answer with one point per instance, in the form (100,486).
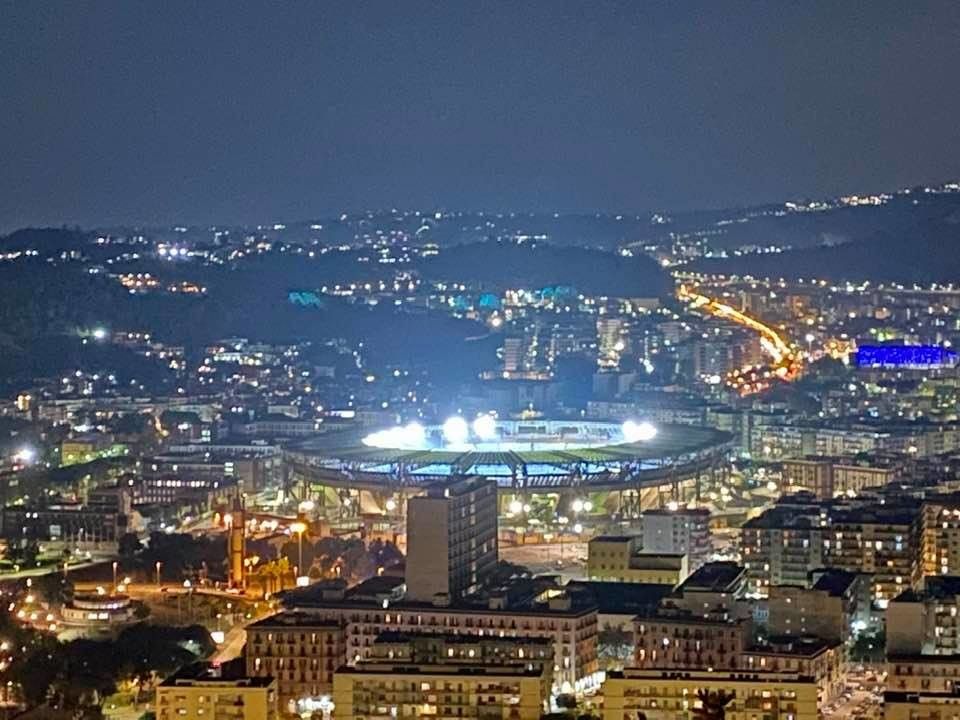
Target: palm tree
(713,704)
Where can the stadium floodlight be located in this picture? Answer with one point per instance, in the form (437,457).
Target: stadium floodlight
(638,432)
(456,431)
(413,435)
(485,427)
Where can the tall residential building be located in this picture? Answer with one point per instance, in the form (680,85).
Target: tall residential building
(634,693)
(526,608)
(301,651)
(207,692)
(451,538)
(827,477)
(387,691)
(877,540)
(682,532)
(782,546)
(514,354)
(926,622)
(828,609)
(715,589)
(676,639)
(797,536)
(940,535)
(613,340)
(456,649)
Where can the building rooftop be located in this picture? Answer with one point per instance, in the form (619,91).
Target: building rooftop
(614,538)
(520,596)
(714,577)
(918,658)
(457,485)
(834,582)
(803,646)
(708,675)
(407,668)
(619,598)
(782,517)
(397,636)
(936,587)
(875,515)
(292,618)
(699,512)
(233,672)
(657,561)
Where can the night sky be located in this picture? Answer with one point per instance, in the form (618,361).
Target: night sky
(162,111)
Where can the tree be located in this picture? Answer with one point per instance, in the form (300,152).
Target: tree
(129,545)
(22,553)
(614,644)
(53,587)
(713,704)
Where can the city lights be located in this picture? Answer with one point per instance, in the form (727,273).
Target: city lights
(25,455)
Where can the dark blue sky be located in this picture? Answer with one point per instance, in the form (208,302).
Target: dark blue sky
(206,111)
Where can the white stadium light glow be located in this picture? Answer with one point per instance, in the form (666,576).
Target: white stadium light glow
(516,507)
(456,431)
(485,427)
(411,436)
(634,432)
(414,435)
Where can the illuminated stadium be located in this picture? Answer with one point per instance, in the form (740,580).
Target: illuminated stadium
(530,455)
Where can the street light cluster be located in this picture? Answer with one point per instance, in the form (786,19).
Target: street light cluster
(517,507)
(456,431)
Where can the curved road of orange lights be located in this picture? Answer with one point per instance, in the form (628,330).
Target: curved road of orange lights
(785,361)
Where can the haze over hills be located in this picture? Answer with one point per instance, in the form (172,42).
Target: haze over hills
(923,254)
(245,273)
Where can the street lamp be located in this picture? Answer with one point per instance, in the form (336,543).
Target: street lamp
(562,521)
(114,575)
(157,567)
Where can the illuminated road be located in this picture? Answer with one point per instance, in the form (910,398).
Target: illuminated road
(233,643)
(786,362)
